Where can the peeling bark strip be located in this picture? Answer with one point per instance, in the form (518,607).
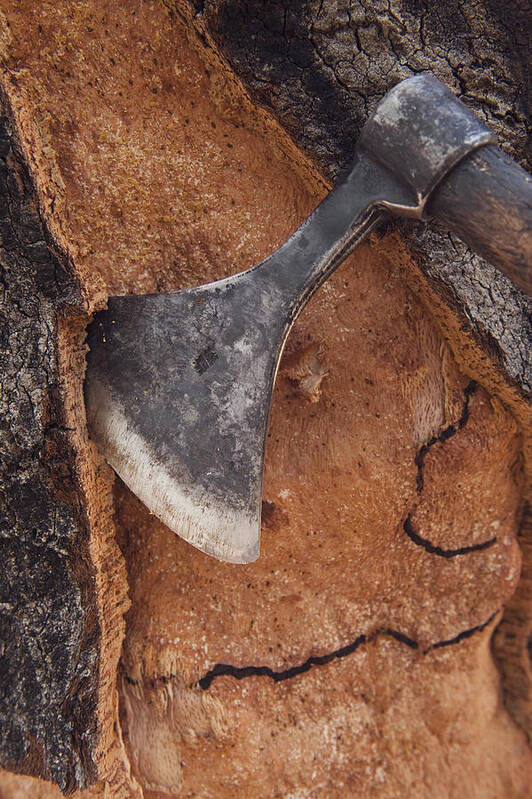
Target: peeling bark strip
(49,636)
(241,672)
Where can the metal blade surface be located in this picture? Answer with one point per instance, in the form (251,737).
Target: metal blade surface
(178,392)
(178,385)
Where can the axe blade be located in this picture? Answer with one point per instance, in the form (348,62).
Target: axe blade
(178,385)
(177,393)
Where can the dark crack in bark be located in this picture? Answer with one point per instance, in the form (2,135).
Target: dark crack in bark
(242,672)
(447,433)
(408,527)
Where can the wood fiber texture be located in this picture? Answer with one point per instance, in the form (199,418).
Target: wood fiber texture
(59,650)
(354,658)
(63,588)
(321,67)
(100,197)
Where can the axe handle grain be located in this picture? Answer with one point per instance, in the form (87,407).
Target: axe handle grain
(487,201)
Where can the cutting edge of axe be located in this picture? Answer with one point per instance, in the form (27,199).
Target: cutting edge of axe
(178,386)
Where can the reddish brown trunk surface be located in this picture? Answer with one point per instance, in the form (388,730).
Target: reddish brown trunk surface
(353,658)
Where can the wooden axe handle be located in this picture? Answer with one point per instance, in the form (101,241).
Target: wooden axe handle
(487,201)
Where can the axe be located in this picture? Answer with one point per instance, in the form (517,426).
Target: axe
(178,385)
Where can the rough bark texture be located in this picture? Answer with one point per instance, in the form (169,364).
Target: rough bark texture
(49,630)
(490,191)
(323,66)
(354,657)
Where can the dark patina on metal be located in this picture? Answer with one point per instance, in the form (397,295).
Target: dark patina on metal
(179,385)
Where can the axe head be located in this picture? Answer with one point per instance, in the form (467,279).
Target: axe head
(178,385)
(178,393)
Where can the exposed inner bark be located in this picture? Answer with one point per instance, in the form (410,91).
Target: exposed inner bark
(394,479)
(63,583)
(320,67)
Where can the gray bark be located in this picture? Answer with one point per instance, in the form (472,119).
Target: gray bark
(48,627)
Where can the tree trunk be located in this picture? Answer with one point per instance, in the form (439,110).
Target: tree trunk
(379,646)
